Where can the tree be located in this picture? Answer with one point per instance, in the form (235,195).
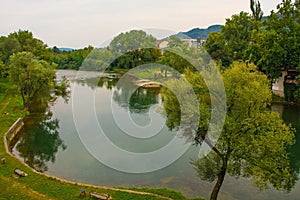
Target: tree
(70,59)
(215,46)
(175,42)
(8,46)
(31,44)
(173,56)
(98,59)
(30,75)
(4,71)
(253,142)
(286,23)
(132,40)
(257,13)
(276,47)
(135,58)
(23,41)
(267,53)
(56,50)
(235,36)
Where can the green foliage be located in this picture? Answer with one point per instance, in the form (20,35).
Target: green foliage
(232,41)
(23,41)
(257,13)
(277,45)
(215,46)
(132,49)
(173,56)
(237,34)
(30,75)
(175,42)
(171,106)
(296,94)
(4,71)
(291,92)
(70,59)
(8,46)
(254,140)
(125,51)
(135,58)
(61,89)
(272,44)
(287,26)
(98,59)
(40,141)
(130,41)
(160,191)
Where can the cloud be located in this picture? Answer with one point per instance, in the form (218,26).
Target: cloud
(77,23)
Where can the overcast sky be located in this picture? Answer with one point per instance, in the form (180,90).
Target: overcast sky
(78,23)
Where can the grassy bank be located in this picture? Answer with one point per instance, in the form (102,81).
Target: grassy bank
(37,186)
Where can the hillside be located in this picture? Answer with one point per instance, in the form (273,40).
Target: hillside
(199,32)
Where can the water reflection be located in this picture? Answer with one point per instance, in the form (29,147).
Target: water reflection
(40,141)
(142,99)
(125,93)
(179,175)
(109,82)
(291,115)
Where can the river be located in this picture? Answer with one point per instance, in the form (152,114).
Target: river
(56,141)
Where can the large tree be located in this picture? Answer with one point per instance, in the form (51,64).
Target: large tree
(253,142)
(23,41)
(30,75)
(8,46)
(132,40)
(233,40)
(276,46)
(173,56)
(216,48)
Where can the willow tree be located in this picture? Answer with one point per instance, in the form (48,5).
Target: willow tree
(30,75)
(253,142)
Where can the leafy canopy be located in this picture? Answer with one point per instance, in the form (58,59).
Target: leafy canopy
(30,75)
(254,140)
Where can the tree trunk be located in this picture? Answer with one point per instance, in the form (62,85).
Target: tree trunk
(221,176)
(25,103)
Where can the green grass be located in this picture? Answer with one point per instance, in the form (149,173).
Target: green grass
(37,186)
(173,194)
(146,73)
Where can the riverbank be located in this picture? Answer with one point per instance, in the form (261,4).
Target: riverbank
(39,186)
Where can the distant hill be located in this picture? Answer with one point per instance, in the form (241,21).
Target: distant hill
(199,32)
(66,49)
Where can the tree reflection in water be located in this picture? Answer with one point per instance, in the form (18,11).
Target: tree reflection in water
(39,139)
(128,95)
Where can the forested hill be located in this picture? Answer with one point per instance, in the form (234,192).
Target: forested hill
(199,32)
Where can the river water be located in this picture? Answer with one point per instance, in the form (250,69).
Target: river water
(59,140)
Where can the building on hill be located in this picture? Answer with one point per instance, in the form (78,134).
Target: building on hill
(162,44)
(197,43)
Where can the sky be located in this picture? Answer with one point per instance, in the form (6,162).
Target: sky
(79,23)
